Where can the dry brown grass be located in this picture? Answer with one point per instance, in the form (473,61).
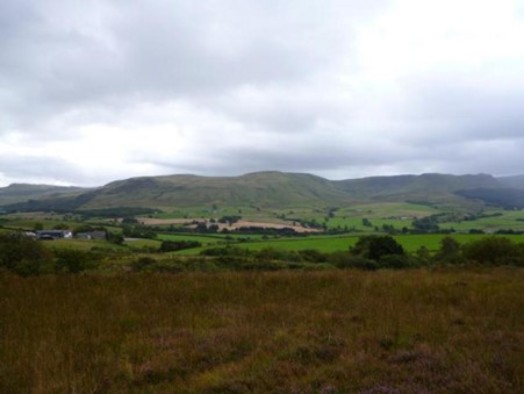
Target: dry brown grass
(309,332)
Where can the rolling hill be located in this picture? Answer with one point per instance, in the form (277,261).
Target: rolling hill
(19,192)
(514,182)
(268,189)
(425,188)
(265,189)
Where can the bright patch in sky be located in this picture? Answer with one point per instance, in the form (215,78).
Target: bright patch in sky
(96,91)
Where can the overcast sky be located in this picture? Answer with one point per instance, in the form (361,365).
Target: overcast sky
(98,90)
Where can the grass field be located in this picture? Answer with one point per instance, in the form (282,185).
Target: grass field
(336,243)
(507,220)
(410,331)
(397,214)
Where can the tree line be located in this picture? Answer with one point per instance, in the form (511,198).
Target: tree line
(26,256)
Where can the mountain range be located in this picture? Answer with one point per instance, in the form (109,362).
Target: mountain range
(270,189)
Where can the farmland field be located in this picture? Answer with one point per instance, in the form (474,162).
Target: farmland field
(336,243)
(352,220)
(332,332)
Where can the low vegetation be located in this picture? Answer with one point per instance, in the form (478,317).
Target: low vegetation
(399,303)
(413,331)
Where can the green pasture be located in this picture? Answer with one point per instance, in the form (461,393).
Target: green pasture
(357,224)
(396,214)
(141,243)
(330,244)
(27,221)
(513,220)
(385,210)
(81,244)
(324,244)
(210,212)
(208,238)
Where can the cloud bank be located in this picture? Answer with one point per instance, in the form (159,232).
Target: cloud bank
(102,90)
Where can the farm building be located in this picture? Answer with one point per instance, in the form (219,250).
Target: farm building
(91,235)
(54,234)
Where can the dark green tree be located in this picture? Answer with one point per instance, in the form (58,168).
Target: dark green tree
(495,251)
(24,255)
(376,246)
(426,224)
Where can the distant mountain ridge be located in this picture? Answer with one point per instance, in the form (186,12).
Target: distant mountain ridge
(270,189)
(417,185)
(17,192)
(515,182)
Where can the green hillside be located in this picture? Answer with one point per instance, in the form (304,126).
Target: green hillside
(515,182)
(425,188)
(20,192)
(268,190)
(264,189)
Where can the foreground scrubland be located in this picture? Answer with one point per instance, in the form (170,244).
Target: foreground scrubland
(410,331)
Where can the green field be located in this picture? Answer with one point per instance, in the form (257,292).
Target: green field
(507,220)
(399,215)
(342,243)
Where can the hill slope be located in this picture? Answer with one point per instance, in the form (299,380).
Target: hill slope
(274,190)
(268,189)
(21,192)
(515,182)
(428,188)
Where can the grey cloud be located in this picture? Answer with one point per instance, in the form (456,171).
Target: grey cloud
(68,65)
(453,109)
(40,168)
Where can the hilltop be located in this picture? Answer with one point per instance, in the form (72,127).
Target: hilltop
(268,190)
(18,192)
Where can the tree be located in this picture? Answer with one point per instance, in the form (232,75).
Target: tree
(75,261)
(450,251)
(173,246)
(376,246)
(495,251)
(426,224)
(24,255)
(423,255)
(115,238)
(366,222)
(449,246)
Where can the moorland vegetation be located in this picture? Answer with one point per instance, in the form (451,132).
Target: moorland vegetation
(272,282)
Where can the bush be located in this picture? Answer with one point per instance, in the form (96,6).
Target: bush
(450,251)
(312,256)
(346,260)
(173,246)
(395,261)
(142,263)
(24,255)
(75,261)
(495,251)
(267,254)
(375,246)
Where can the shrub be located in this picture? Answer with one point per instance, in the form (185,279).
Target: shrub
(24,255)
(346,260)
(173,246)
(375,246)
(75,261)
(495,251)
(450,251)
(395,261)
(312,256)
(142,263)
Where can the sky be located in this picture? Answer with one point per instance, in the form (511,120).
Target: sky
(99,90)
